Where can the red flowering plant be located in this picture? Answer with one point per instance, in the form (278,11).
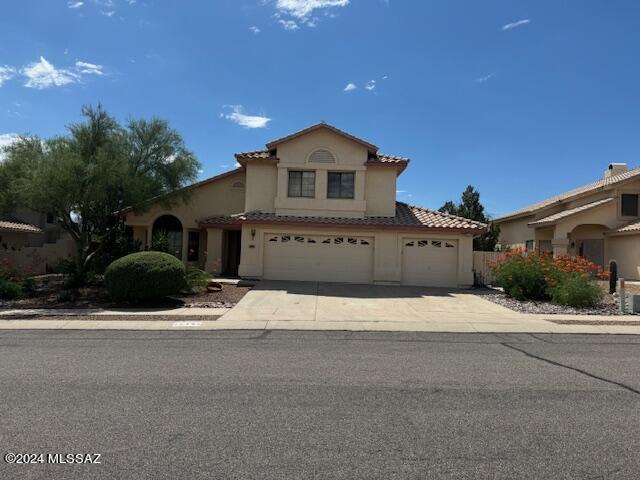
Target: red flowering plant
(534,275)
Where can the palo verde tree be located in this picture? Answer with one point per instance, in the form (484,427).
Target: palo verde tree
(471,208)
(100,167)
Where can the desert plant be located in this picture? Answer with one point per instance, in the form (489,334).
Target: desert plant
(523,276)
(144,276)
(539,276)
(197,278)
(576,290)
(160,242)
(10,290)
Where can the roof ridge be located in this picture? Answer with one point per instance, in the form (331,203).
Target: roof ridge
(583,189)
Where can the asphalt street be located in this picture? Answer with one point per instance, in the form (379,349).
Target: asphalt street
(320,405)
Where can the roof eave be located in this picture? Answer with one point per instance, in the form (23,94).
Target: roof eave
(369,226)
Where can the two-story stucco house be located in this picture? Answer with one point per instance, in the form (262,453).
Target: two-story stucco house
(599,221)
(317,205)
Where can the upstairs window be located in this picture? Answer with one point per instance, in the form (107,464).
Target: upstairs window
(302,184)
(629,204)
(340,185)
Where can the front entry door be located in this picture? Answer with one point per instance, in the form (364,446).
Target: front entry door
(232,258)
(593,250)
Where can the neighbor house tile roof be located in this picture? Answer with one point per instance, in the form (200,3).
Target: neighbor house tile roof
(407,217)
(551,219)
(11,226)
(600,184)
(633,227)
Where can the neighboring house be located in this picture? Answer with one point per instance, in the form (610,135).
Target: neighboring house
(317,205)
(599,221)
(33,243)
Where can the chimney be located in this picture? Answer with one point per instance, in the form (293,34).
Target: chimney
(615,169)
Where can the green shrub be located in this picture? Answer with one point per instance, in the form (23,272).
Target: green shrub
(523,277)
(576,290)
(10,290)
(197,278)
(144,276)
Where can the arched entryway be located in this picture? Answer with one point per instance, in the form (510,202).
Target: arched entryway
(587,240)
(167,235)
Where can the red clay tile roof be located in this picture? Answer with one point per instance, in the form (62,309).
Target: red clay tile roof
(9,226)
(318,126)
(253,155)
(568,213)
(601,184)
(407,217)
(377,159)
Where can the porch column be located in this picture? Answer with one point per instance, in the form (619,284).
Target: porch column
(213,263)
(560,246)
(147,243)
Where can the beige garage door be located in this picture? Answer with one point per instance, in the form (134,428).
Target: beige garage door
(290,256)
(430,262)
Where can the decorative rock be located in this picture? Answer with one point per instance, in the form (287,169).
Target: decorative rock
(213,286)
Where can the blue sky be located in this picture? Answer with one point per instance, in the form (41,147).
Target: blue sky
(522,99)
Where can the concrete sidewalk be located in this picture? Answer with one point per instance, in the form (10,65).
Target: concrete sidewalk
(325,306)
(439,322)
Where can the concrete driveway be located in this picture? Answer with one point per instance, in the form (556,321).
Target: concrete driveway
(275,301)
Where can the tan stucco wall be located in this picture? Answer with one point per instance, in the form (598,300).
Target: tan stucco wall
(216,198)
(380,191)
(387,250)
(351,157)
(625,250)
(262,183)
(515,233)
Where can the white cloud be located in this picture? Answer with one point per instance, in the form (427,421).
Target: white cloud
(350,87)
(302,9)
(89,68)
(6,73)
(74,4)
(247,121)
(517,24)
(107,13)
(486,78)
(288,24)
(254,29)
(6,139)
(371,85)
(43,74)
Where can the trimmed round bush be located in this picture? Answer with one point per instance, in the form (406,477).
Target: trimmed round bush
(144,276)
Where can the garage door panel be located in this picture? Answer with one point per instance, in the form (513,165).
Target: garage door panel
(291,256)
(430,262)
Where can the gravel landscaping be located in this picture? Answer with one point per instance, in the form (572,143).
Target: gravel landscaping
(608,306)
(97,297)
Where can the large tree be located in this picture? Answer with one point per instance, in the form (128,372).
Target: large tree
(471,208)
(85,177)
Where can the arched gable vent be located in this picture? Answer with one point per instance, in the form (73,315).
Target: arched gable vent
(322,156)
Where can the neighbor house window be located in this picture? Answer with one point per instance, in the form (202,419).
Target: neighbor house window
(545,246)
(629,204)
(340,185)
(302,184)
(529,245)
(194,246)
